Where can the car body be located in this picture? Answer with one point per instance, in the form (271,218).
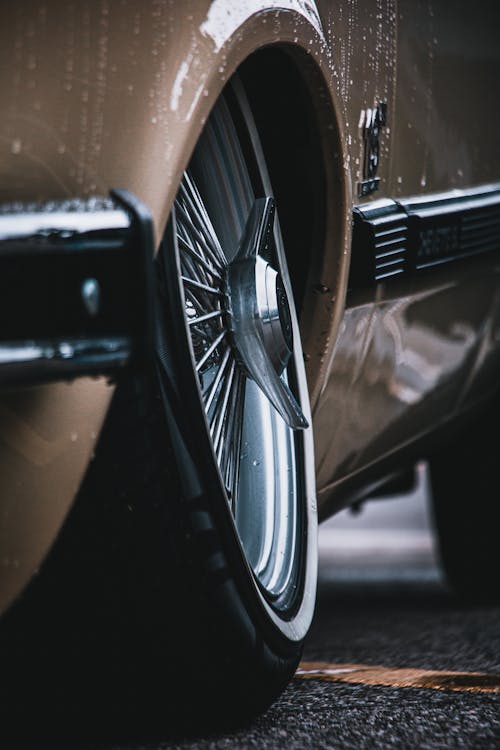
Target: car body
(369,112)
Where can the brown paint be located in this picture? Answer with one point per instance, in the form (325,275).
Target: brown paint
(100,95)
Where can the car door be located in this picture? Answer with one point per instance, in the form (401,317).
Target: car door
(409,343)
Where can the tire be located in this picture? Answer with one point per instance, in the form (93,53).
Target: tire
(247,500)
(466,504)
(183,583)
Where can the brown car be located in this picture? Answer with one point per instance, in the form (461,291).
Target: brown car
(250,275)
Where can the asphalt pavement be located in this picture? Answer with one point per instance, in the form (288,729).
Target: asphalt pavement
(382,600)
(384,613)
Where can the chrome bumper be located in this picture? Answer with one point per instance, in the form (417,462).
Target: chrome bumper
(75,288)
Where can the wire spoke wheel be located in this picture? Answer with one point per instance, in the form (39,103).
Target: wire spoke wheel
(222,382)
(224,584)
(223,251)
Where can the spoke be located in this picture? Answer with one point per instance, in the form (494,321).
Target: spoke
(186,247)
(210,350)
(197,270)
(233,462)
(203,334)
(211,391)
(207,316)
(202,287)
(191,270)
(197,236)
(228,445)
(189,226)
(220,417)
(224,445)
(192,196)
(194,300)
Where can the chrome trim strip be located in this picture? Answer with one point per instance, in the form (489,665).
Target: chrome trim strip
(55,222)
(75,287)
(35,361)
(422,232)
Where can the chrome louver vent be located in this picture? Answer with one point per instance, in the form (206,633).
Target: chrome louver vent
(380,243)
(453,227)
(480,230)
(391,247)
(394,238)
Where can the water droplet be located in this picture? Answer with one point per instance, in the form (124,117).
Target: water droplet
(16,146)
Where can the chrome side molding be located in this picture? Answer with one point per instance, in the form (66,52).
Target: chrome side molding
(394,237)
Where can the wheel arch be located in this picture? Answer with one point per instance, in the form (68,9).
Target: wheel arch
(301,135)
(59,159)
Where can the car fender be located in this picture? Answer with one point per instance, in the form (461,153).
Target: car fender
(103,96)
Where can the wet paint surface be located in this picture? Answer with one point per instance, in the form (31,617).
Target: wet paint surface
(448,61)
(363,43)
(47,437)
(403,363)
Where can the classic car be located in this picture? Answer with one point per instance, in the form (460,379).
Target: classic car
(250,277)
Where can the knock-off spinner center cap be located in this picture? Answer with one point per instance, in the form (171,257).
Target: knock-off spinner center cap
(259,304)
(261,314)
(274,314)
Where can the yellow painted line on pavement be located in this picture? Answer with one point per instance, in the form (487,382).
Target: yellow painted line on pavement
(365,674)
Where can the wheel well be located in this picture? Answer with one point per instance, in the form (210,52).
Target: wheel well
(280,97)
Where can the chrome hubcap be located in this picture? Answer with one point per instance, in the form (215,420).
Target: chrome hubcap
(260,316)
(264,298)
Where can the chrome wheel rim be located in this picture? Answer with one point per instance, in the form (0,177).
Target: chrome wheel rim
(258,456)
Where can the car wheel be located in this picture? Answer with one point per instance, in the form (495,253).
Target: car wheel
(235,587)
(464,476)
(232,383)
(183,582)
